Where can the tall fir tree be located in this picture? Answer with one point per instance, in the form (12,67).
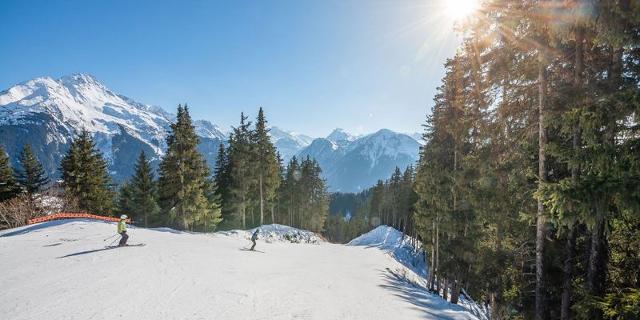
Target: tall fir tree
(144,206)
(85,176)
(267,167)
(241,182)
(183,176)
(31,177)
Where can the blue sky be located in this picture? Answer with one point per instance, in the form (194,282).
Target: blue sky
(313,65)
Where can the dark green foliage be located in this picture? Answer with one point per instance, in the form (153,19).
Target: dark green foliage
(32,176)
(389,202)
(537,121)
(8,186)
(85,176)
(267,167)
(304,200)
(184,189)
(138,197)
(240,171)
(253,188)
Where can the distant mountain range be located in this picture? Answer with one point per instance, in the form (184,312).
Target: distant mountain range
(352,164)
(47,112)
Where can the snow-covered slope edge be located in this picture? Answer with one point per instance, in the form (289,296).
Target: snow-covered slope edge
(400,247)
(395,244)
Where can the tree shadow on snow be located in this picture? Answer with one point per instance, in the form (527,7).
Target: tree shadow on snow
(433,305)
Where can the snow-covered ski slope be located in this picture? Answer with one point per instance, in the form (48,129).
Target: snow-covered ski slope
(61,270)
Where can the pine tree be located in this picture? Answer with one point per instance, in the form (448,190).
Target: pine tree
(289,192)
(221,172)
(183,176)
(32,176)
(85,176)
(211,218)
(125,199)
(240,172)
(8,185)
(144,207)
(267,166)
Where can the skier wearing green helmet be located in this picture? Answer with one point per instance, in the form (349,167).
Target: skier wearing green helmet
(122,230)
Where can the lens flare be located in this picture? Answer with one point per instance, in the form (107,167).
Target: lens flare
(460,9)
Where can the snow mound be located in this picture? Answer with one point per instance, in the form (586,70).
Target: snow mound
(277,233)
(397,245)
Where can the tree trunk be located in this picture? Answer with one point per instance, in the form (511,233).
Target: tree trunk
(273,216)
(570,246)
(540,306)
(243,212)
(432,267)
(437,265)
(261,202)
(455,291)
(445,289)
(596,273)
(569,254)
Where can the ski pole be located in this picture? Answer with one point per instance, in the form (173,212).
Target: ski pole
(111,243)
(110,237)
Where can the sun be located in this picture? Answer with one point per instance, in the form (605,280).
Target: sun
(460,9)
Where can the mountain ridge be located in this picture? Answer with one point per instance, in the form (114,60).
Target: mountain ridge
(46,112)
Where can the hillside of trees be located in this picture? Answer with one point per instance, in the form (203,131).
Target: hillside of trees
(249,187)
(528,184)
(527,190)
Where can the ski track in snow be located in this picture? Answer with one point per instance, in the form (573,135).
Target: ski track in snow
(57,270)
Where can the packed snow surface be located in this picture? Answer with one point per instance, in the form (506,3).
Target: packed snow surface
(62,270)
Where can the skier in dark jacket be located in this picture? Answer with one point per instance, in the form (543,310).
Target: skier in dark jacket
(122,230)
(254,237)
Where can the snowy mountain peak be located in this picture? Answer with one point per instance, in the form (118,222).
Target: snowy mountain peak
(351,164)
(339,135)
(52,111)
(288,143)
(207,129)
(81,79)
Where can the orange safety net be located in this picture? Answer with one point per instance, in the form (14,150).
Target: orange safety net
(73,215)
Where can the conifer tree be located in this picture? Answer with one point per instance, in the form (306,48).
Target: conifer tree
(8,185)
(289,192)
(183,176)
(221,172)
(240,156)
(125,199)
(144,207)
(32,176)
(85,176)
(267,167)
(209,219)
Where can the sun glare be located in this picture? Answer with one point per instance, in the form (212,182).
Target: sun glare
(460,9)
